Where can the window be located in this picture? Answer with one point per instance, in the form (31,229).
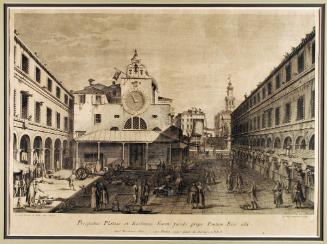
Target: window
(255,100)
(25,64)
(80,133)
(136,123)
(66,99)
(58,120)
(269,112)
(37,74)
(66,123)
(24,108)
(114,128)
(97,118)
(277,79)
(49,84)
(15,51)
(258,121)
(288,70)
(263,93)
(263,121)
(97,99)
(70,103)
(300,63)
(277,116)
(81,98)
(300,108)
(49,117)
(71,125)
(258,97)
(37,112)
(116,116)
(58,91)
(269,88)
(313,103)
(287,117)
(15,99)
(313,52)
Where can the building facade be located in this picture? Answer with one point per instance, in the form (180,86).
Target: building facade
(223,118)
(42,111)
(193,123)
(126,121)
(273,129)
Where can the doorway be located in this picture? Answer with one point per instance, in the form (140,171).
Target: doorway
(136,156)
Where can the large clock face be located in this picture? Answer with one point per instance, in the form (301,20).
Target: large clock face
(135,101)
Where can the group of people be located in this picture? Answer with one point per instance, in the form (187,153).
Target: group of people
(196,195)
(99,196)
(33,196)
(141,193)
(234,182)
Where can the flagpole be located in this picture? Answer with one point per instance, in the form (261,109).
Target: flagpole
(121,71)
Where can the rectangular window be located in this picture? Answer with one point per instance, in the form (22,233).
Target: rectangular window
(25,64)
(313,52)
(288,70)
(277,79)
(37,74)
(24,108)
(15,51)
(66,99)
(300,63)
(269,88)
(300,108)
(258,122)
(269,113)
(82,99)
(15,99)
(66,123)
(49,84)
(70,103)
(263,93)
(255,99)
(97,118)
(277,116)
(97,99)
(37,112)
(263,120)
(313,103)
(49,117)
(287,117)
(58,91)
(71,125)
(58,120)
(258,97)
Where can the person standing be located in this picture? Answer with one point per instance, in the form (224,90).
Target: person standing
(239,183)
(230,182)
(104,198)
(298,195)
(98,193)
(30,194)
(194,195)
(253,196)
(71,181)
(135,192)
(201,195)
(93,197)
(278,194)
(145,193)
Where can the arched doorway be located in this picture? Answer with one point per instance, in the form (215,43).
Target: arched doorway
(66,162)
(48,153)
(277,143)
(25,149)
(300,143)
(37,148)
(262,143)
(287,143)
(57,155)
(15,146)
(269,142)
(312,143)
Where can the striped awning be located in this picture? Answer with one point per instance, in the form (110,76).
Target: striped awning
(128,136)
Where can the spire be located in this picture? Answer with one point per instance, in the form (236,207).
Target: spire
(135,56)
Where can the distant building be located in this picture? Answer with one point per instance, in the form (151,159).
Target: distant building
(192,123)
(125,121)
(42,111)
(274,127)
(223,118)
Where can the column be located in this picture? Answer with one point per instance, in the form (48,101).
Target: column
(128,155)
(52,158)
(170,153)
(98,161)
(76,157)
(123,157)
(62,150)
(147,156)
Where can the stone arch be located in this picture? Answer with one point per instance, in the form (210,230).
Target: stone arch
(300,143)
(269,142)
(262,142)
(277,143)
(287,142)
(25,149)
(312,143)
(135,123)
(57,154)
(48,149)
(66,154)
(37,149)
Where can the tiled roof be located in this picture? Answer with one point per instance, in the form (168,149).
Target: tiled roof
(89,90)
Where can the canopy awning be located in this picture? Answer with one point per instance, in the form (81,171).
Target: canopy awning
(132,136)
(20,167)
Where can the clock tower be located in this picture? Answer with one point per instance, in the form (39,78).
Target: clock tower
(136,87)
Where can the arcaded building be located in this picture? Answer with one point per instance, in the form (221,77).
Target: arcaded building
(41,109)
(274,127)
(125,121)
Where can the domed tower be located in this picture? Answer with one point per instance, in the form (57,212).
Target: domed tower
(229,99)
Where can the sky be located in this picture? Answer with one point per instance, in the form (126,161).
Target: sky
(190,52)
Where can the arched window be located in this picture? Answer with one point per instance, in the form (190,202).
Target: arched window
(277,143)
(312,143)
(262,144)
(269,142)
(287,143)
(114,128)
(135,123)
(300,143)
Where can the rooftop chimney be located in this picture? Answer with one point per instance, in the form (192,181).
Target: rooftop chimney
(91,81)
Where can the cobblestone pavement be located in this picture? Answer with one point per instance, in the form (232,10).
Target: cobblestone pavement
(218,200)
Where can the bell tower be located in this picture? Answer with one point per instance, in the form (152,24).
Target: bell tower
(229,99)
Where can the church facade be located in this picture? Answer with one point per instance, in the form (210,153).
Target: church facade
(126,121)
